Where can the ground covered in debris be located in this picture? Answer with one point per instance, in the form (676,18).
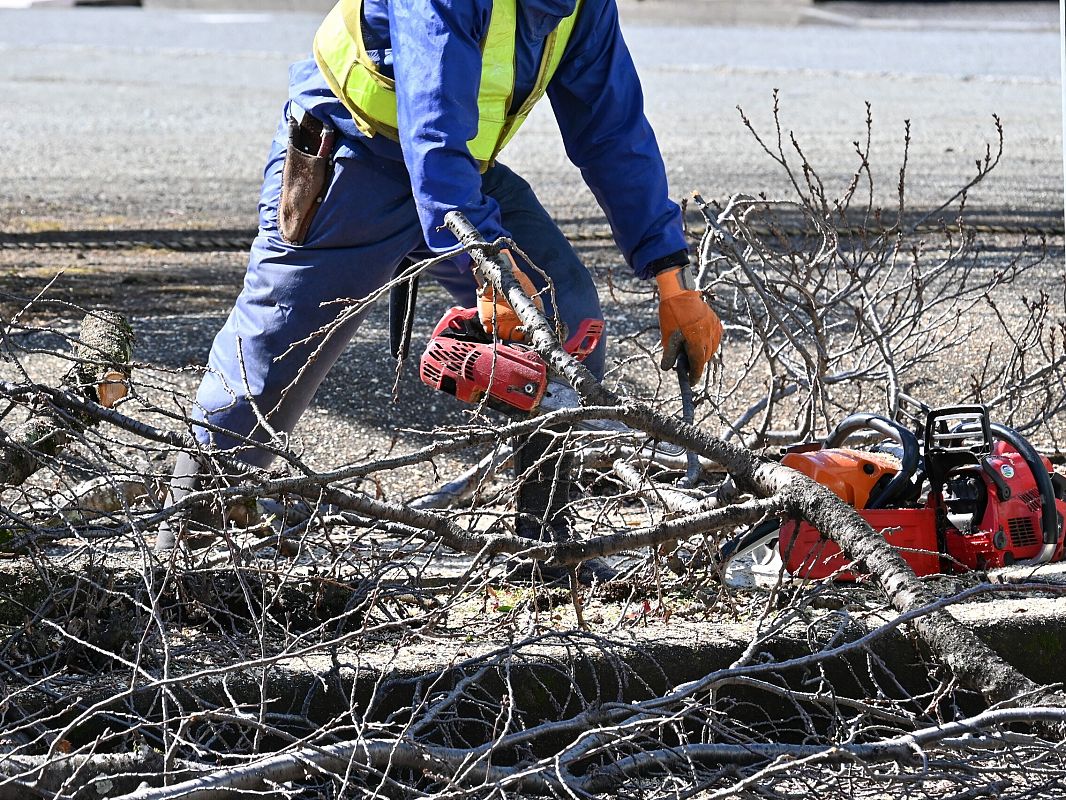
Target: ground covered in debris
(302,620)
(177,302)
(382,610)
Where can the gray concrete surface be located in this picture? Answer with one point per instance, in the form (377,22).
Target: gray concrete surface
(126,118)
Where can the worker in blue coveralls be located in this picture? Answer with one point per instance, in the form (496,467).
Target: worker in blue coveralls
(397,120)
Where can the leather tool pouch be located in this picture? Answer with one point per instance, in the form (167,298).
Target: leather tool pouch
(304,179)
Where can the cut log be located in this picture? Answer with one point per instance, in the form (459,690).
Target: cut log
(101,371)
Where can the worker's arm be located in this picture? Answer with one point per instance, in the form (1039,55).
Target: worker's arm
(599,105)
(437,58)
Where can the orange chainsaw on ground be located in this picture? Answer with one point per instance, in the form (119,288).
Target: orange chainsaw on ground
(961,493)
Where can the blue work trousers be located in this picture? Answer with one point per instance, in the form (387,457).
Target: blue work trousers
(268,360)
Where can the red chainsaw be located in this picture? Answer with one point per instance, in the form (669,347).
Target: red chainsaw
(463,360)
(962,493)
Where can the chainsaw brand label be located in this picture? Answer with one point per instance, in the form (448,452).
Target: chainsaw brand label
(1007,471)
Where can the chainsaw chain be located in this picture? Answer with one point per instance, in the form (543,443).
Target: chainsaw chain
(232,240)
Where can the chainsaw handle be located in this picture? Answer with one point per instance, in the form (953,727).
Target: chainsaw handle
(688,414)
(893,430)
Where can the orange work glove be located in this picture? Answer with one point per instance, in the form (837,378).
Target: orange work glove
(686,321)
(496,313)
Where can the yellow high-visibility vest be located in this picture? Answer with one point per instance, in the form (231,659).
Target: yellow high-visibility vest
(371,96)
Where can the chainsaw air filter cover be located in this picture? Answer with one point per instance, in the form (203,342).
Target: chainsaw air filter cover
(468,370)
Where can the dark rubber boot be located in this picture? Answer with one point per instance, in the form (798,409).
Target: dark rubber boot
(544,481)
(196,525)
(545,478)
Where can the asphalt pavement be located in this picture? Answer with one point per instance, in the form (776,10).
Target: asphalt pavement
(155,118)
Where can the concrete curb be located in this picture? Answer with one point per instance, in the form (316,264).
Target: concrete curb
(369,684)
(376,679)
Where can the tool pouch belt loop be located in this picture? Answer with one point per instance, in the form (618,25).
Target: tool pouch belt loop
(303,180)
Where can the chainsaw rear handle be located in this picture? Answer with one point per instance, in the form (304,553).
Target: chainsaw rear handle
(893,430)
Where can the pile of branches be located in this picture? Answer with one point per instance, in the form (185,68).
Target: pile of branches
(834,304)
(321,637)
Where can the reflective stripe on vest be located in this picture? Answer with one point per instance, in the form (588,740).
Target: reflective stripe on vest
(371,97)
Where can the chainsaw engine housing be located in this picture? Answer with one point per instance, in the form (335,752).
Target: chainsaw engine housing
(464,361)
(996,512)
(456,363)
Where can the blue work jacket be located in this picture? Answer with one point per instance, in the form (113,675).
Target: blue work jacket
(432,49)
